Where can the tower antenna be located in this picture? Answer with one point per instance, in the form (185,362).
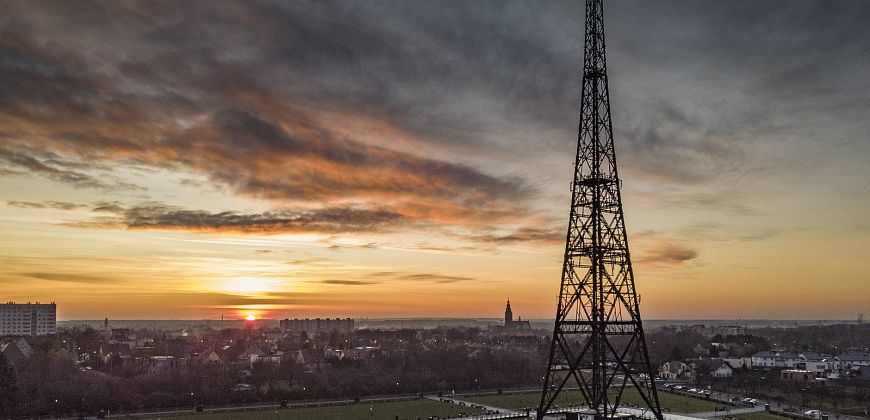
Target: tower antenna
(598,341)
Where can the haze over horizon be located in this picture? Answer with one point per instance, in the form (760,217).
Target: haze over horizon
(412,159)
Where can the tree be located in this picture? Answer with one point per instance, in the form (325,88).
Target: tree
(676,353)
(714,351)
(8,386)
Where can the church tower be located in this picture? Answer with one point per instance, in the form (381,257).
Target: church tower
(508,315)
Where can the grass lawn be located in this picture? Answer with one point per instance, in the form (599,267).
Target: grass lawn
(761,415)
(406,410)
(519,401)
(676,403)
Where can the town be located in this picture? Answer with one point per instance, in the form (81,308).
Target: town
(83,368)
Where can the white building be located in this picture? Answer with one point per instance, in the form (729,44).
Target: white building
(775,359)
(677,371)
(823,367)
(725,370)
(853,359)
(31,319)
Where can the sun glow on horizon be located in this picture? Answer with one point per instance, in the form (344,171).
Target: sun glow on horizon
(249,285)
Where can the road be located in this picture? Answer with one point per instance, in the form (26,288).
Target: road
(503,413)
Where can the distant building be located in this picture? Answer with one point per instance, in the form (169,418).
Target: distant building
(158,364)
(310,359)
(31,319)
(210,356)
(775,359)
(826,366)
(854,359)
(732,330)
(725,370)
(739,362)
(677,371)
(15,349)
(798,375)
(317,325)
(515,327)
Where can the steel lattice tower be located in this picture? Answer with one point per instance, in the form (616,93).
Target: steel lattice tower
(598,341)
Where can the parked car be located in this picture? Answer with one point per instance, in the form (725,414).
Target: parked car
(816,414)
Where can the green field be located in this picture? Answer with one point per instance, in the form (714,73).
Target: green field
(761,415)
(679,403)
(406,410)
(676,403)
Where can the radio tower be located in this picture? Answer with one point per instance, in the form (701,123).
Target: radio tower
(598,341)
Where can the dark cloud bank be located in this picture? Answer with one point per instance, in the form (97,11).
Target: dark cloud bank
(296,103)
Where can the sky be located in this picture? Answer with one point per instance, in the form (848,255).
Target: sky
(194,159)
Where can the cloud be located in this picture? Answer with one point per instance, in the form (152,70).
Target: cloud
(158,216)
(434,278)
(349,282)
(58,205)
(449,115)
(525,234)
(67,277)
(668,253)
(34,166)
(327,221)
(253,140)
(386,277)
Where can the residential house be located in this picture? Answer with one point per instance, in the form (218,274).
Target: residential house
(158,364)
(739,362)
(15,349)
(309,359)
(677,371)
(853,359)
(823,367)
(725,370)
(775,359)
(210,356)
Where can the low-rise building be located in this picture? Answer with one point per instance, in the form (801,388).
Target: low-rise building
(739,362)
(310,359)
(725,370)
(823,366)
(853,359)
(15,349)
(677,371)
(797,375)
(158,364)
(775,359)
